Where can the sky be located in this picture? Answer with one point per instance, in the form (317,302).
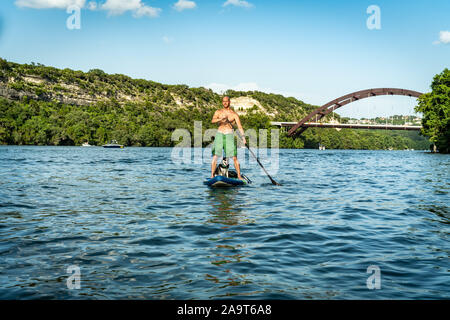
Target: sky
(315,51)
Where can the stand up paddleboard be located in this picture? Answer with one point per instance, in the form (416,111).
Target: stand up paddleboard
(230,181)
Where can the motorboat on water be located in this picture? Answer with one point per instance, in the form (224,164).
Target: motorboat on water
(86,144)
(113,144)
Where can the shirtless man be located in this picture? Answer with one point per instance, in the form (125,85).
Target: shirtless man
(225,136)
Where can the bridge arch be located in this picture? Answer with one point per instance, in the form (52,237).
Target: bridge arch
(349,98)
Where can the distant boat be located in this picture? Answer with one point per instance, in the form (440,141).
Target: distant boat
(321,147)
(112,144)
(86,144)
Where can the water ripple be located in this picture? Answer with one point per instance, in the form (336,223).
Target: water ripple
(142,227)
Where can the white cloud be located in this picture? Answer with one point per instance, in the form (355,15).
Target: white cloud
(238,3)
(147,11)
(167,39)
(217,87)
(139,9)
(184,5)
(221,88)
(113,7)
(444,37)
(49,4)
(92,5)
(117,7)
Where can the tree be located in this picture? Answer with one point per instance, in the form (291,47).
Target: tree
(435,107)
(142,112)
(4,65)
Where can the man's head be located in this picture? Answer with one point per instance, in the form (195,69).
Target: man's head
(226,102)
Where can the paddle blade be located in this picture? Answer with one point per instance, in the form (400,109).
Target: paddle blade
(260,164)
(274,182)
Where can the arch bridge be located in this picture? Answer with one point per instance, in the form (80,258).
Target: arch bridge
(331,106)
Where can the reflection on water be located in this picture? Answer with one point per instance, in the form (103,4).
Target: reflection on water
(223,206)
(140,226)
(225,212)
(442,213)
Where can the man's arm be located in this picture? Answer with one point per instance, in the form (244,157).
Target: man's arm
(217,117)
(241,130)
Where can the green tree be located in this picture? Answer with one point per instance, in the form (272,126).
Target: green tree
(435,107)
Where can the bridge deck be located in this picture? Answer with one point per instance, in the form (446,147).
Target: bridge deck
(335,104)
(347,126)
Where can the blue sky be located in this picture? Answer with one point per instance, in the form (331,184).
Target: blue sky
(315,51)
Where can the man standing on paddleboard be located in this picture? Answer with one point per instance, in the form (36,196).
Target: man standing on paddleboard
(224,139)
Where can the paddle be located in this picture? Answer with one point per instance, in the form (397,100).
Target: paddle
(254,156)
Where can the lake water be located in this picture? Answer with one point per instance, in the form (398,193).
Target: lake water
(139,226)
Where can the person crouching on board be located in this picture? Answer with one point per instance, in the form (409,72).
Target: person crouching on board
(224,139)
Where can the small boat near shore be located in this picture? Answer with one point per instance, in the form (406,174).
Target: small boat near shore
(86,144)
(113,144)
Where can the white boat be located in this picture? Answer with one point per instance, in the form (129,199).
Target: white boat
(86,144)
(113,144)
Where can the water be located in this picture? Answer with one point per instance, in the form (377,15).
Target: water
(139,226)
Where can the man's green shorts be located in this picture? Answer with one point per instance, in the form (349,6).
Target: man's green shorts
(224,142)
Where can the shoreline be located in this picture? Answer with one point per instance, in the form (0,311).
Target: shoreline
(169,147)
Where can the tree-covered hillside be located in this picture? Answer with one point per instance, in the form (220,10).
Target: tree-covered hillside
(42,105)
